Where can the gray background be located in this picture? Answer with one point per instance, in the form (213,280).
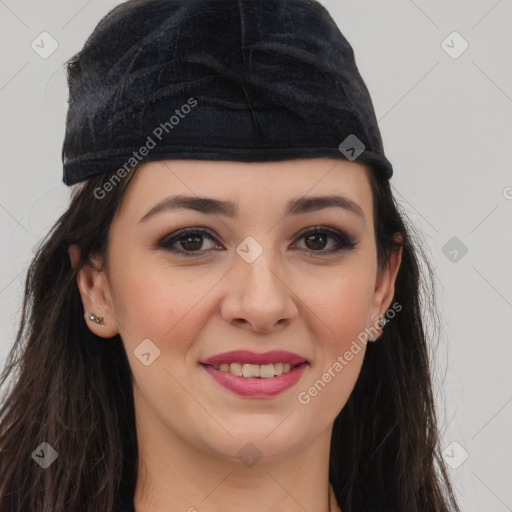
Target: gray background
(446,127)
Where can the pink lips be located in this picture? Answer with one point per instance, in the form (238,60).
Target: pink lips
(256,387)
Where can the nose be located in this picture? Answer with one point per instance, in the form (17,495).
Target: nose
(258,297)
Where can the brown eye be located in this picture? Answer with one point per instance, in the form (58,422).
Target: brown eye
(190,240)
(316,240)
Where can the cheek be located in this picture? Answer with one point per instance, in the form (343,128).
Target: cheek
(342,315)
(161,304)
(342,305)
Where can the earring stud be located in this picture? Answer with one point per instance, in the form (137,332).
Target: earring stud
(382,320)
(93,318)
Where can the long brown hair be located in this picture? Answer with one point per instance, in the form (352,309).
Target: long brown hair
(69,388)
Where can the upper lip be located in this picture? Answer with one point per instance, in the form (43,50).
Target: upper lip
(246,356)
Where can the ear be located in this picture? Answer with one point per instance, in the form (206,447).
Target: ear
(94,291)
(385,284)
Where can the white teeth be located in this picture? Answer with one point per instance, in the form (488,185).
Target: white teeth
(266,371)
(263,371)
(236,369)
(250,370)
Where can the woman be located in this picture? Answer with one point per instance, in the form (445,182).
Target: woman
(228,314)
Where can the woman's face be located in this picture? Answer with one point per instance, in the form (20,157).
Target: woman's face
(252,274)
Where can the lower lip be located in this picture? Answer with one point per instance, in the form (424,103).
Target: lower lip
(257,387)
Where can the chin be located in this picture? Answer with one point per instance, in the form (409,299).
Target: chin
(254,442)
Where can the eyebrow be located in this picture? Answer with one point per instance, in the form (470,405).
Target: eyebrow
(229,209)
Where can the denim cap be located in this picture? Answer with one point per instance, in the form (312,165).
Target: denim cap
(243,80)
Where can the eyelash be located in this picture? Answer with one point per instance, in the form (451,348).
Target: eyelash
(344,242)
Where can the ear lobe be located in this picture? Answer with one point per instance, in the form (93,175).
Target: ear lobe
(93,288)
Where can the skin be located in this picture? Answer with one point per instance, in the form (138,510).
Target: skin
(189,428)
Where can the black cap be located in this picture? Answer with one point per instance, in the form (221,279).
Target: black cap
(245,80)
